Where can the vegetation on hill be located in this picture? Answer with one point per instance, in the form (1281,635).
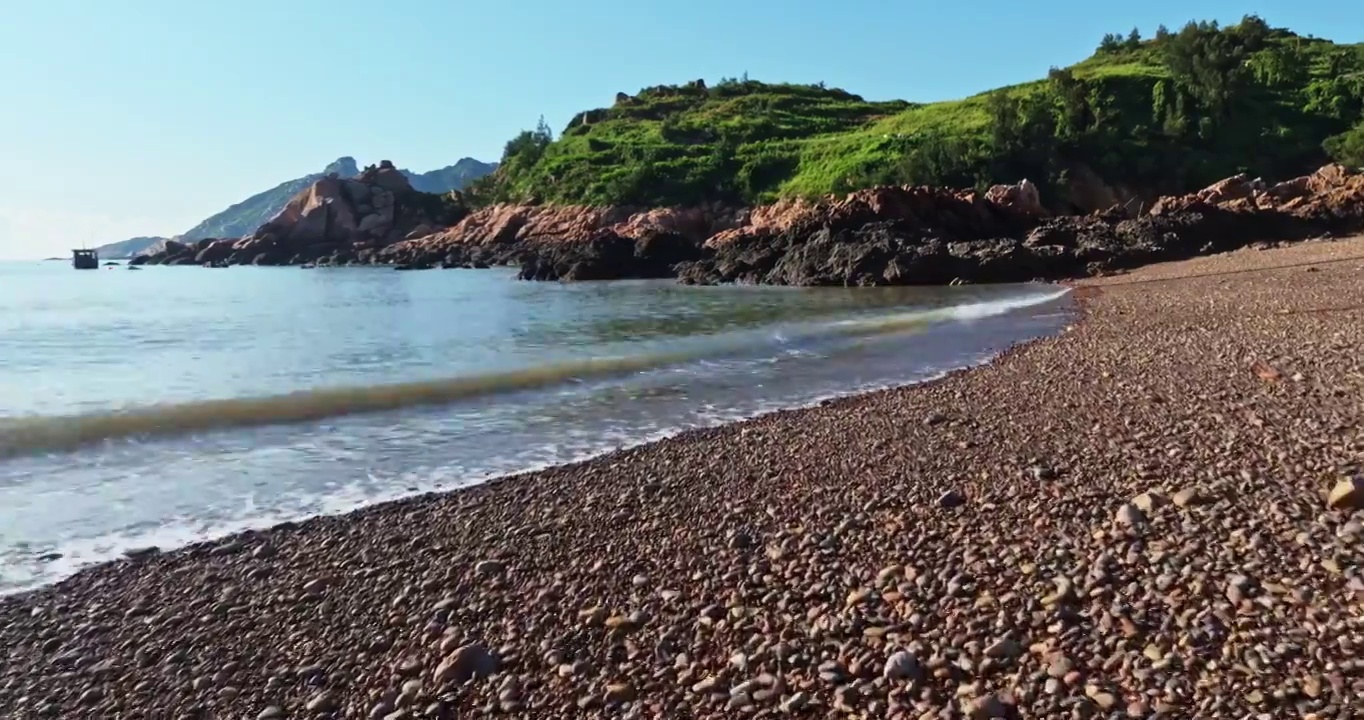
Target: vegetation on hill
(1166,114)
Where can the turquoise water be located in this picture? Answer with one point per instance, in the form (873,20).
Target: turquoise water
(167,405)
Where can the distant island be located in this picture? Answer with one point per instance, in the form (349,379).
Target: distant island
(249,214)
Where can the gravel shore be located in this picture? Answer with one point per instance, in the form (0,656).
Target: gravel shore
(1128,520)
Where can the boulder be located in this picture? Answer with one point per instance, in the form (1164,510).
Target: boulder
(330,222)
(1020,197)
(214,250)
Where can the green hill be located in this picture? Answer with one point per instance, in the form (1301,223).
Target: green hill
(1165,114)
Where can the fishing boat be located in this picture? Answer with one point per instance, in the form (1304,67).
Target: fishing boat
(85,259)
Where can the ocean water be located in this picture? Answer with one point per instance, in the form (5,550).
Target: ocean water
(169,405)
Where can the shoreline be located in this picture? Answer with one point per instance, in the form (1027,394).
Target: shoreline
(245,531)
(978,542)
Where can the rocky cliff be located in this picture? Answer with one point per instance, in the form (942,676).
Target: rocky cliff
(244,217)
(572,242)
(920,236)
(879,236)
(335,220)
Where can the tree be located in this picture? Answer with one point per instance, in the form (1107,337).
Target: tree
(1209,63)
(1022,134)
(1254,30)
(1133,41)
(1347,148)
(1110,44)
(528,146)
(1073,114)
(542,131)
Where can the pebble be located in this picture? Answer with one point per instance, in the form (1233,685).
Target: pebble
(467,661)
(1346,494)
(951,499)
(324,701)
(900,666)
(489,568)
(1130,515)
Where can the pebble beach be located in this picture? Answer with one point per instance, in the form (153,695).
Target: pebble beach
(1153,514)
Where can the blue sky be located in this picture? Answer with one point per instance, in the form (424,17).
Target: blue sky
(142,117)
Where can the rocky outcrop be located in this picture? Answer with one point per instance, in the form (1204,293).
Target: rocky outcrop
(335,220)
(208,251)
(873,239)
(1333,195)
(608,255)
(878,236)
(244,217)
(1022,197)
(571,242)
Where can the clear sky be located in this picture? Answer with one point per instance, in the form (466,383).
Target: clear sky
(143,117)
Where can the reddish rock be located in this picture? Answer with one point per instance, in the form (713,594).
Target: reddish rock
(881,235)
(333,220)
(1021,197)
(571,241)
(1332,193)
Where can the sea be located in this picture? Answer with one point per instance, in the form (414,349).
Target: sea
(168,405)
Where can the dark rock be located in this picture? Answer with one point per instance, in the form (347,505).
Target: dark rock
(608,256)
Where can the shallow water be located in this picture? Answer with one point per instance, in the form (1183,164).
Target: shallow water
(173,404)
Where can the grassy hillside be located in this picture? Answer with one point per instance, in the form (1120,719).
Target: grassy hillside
(1163,114)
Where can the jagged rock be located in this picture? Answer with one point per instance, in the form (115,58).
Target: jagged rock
(877,236)
(1021,197)
(328,222)
(549,241)
(213,251)
(609,256)
(895,236)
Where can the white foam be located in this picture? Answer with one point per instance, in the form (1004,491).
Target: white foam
(570,447)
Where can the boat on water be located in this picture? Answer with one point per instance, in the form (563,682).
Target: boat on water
(85,259)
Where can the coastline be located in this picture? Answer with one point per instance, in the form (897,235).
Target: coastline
(981,544)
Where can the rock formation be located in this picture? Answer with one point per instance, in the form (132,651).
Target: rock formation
(243,217)
(571,242)
(335,220)
(870,239)
(878,236)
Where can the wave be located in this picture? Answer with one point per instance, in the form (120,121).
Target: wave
(29,435)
